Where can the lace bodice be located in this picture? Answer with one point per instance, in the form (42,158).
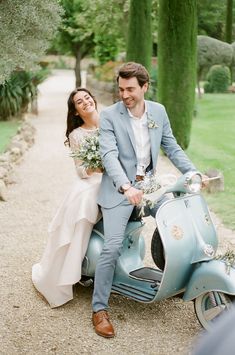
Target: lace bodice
(75,139)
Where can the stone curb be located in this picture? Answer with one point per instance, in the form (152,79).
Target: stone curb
(13,155)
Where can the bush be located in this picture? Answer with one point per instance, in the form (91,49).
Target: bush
(152,91)
(108,71)
(17,92)
(106,48)
(218,79)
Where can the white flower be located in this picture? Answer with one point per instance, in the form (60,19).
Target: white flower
(152,123)
(150,185)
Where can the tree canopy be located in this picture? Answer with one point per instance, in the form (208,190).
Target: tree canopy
(215,18)
(139,43)
(27,27)
(92,27)
(177,64)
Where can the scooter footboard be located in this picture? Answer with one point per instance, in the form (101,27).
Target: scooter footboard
(210,276)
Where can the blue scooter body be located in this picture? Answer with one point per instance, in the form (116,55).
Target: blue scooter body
(189,241)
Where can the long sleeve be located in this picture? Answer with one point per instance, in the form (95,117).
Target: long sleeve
(75,141)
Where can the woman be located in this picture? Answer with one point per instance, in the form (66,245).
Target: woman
(69,231)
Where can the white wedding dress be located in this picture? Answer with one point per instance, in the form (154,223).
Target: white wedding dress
(69,233)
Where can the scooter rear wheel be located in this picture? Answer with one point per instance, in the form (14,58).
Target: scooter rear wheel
(210,305)
(157,250)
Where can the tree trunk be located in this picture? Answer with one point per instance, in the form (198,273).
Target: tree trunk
(78,68)
(229,29)
(177,64)
(229,22)
(139,42)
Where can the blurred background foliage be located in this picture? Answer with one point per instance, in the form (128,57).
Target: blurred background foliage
(37,36)
(109,32)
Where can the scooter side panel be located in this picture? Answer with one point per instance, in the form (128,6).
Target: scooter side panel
(132,253)
(210,276)
(94,249)
(184,225)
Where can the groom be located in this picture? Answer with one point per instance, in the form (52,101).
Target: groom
(131,134)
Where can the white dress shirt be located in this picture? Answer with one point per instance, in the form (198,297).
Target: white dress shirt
(142,139)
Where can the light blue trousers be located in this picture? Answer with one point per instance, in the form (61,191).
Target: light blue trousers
(115,221)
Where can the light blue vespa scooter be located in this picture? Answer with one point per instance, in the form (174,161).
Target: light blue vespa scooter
(183,248)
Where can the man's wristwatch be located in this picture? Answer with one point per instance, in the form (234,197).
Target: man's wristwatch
(124,188)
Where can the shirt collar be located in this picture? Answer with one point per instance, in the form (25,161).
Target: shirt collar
(145,112)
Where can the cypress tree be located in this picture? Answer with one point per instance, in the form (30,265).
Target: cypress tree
(229,22)
(139,41)
(177,64)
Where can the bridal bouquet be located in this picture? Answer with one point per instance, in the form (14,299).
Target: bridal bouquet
(89,153)
(150,187)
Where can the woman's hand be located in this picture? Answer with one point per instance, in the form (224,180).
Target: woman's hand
(90,171)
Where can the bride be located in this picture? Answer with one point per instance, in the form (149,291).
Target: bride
(69,232)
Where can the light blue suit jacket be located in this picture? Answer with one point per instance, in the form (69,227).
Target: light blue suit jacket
(118,149)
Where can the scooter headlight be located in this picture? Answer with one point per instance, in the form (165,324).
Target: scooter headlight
(194,183)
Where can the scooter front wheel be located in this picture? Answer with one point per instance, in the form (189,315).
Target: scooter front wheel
(210,305)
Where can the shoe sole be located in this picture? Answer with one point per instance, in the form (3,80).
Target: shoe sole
(105,336)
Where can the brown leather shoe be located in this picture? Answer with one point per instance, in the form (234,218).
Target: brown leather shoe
(102,324)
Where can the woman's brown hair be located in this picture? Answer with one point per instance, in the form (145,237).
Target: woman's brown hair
(73,119)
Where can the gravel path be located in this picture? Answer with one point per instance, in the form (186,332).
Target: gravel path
(28,325)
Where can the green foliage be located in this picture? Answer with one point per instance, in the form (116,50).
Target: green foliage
(229,22)
(27,27)
(139,43)
(218,79)
(92,27)
(212,147)
(211,51)
(155,19)
(75,32)
(105,48)
(152,91)
(211,18)
(177,64)
(110,20)
(18,91)
(86,29)
(7,130)
(215,19)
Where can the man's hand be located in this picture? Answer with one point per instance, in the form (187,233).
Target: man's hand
(134,195)
(205,181)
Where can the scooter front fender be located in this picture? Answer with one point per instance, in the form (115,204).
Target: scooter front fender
(210,276)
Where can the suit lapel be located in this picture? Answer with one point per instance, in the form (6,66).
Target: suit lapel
(127,122)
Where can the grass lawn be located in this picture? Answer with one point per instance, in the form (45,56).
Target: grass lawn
(213,146)
(7,130)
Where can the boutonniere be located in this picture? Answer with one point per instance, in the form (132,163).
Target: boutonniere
(152,123)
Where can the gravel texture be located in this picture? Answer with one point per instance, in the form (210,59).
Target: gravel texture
(28,325)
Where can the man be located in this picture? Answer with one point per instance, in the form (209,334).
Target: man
(131,134)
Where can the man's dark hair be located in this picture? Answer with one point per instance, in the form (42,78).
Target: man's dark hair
(131,70)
